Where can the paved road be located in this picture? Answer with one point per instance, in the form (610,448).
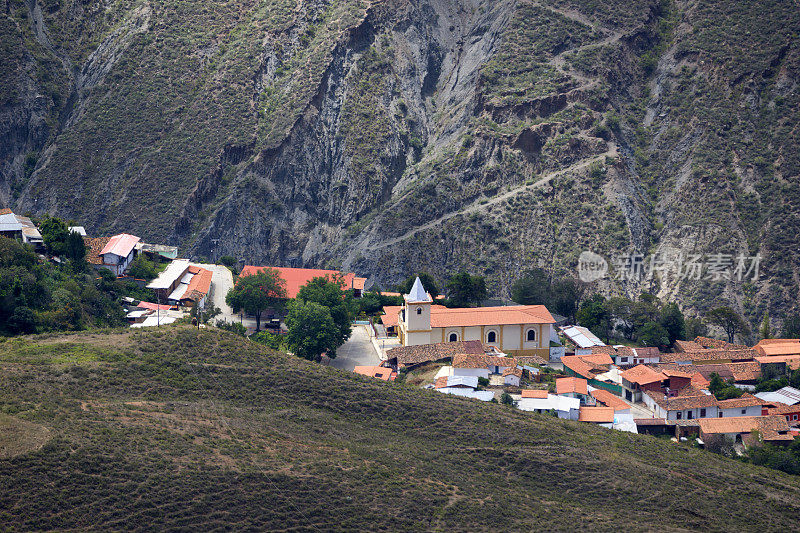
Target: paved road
(221,283)
(358,350)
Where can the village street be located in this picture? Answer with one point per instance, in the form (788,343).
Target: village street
(357,351)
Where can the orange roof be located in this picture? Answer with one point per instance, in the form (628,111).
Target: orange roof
(388,293)
(785,347)
(391,316)
(642,375)
(610,399)
(95,245)
(443,317)
(588,366)
(597,415)
(534,393)
(512,371)
(199,285)
(297,277)
(771,427)
(572,384)
(358,283)
(792,361)
(745,400)
(380,372)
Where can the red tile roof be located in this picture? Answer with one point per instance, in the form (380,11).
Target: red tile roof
(94,246)
(708,342)
(610,399)
(715,354)
(199,285)
(443,317)
(784,347)
(412,355)
(745,400)
(512,371)
(597,415)
(380,372)
(121,245)
(687,346)
(588,366)
(535,393)
(572,385)
(154,307)
(792,361)
(642,375)
(690,398)
(771,428)
(297,277)
(482,361)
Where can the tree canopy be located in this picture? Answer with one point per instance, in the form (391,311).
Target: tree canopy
(535,287)
(312,330)
(258,292)
(729,320)
(329,293)
(464,290)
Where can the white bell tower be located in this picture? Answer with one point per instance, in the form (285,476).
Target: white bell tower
(417,316)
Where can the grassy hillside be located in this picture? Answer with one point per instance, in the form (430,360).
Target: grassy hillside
(185,429)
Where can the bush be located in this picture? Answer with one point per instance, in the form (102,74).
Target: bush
(233,327)
(483,382)
(142,268)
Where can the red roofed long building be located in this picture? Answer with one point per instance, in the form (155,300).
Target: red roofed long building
(297,277)
(516,329)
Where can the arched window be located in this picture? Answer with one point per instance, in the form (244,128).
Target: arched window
(453,337)
(531,335)
(491,337)
(419,310)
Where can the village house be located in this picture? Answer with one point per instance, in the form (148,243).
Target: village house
(745,405)
(611,400)
(20,228)
(602,416)
(745,429)
(690,404)
(462,382)
(516,330)
(597,369)
(627,356)
(484,365)
(782,396)
(297,277)
(790,412)
(581,339)
(639,379)
(541,402)
(573,387)
(182,283)
(409,357)
(112,253)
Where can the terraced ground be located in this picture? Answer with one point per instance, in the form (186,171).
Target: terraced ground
(179,428)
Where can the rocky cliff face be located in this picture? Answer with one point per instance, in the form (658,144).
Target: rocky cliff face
(404,135)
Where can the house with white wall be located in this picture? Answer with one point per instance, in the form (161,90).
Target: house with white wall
(118,253)
(745,405)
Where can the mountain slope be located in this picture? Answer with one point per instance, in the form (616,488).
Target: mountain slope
(418,134)
(180,428)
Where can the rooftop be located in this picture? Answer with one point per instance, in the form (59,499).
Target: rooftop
(411,355)
(690,398)
(642,375)
(597,415)
(771,427)
(443,317)
(610,399)
(297,277)
(572,385)
(174,271)
(380,372)
(745,400)
(534,393)
(121,245)
(581,337)
(418,294)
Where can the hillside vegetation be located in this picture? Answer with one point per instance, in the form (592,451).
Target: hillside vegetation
(179,428)
(405,135)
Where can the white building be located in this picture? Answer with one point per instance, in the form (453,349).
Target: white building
(118,253)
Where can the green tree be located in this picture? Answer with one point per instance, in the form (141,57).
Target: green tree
(258,292)
(593,314)
(673,322)
(312,331)
(272,340)
(54,234)
(329,293)
(653,334)
(533,288)
(75,248)
(464,289)
(729,320)
(764,330)
(566,295)
(695,328)
(141,268)
(427,281)
(506,399)
(791,327)
(227,260)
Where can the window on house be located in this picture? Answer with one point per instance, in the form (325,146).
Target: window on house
(689,414)
(679,415)
(744,411)
(419,310)
(794,417)
(531,335)
(720,414)
(453,337)
(491,337)
(624,359)
(702,413)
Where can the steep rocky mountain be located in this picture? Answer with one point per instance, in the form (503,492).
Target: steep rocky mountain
(398,135)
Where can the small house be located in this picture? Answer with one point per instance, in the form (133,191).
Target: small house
(118,253)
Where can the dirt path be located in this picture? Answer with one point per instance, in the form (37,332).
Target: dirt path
(482,205)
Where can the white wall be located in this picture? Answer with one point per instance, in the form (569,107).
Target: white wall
(479,372)
(415,338)
(754,410)
(511,337)
(512,380)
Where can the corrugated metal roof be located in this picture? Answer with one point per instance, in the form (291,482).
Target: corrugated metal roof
(581,337)
(174,271)
(786,395)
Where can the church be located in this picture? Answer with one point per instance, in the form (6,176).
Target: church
(517,329)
